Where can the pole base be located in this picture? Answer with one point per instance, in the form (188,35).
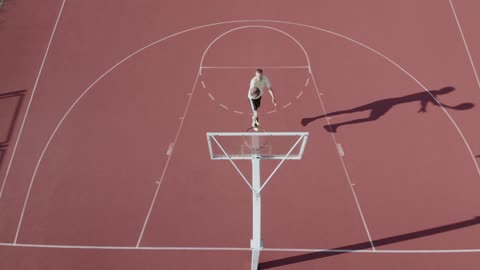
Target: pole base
(253,245)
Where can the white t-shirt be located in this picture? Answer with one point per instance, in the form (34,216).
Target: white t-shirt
(260,84)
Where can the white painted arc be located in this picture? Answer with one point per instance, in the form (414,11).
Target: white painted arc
(256,26)
(269,67)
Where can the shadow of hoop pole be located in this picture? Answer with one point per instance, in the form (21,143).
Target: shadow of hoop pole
(367,245)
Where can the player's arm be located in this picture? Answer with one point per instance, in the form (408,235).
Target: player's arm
(274,101)
(423,104)
(270,91)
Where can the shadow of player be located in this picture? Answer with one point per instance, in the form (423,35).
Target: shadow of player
(381,107)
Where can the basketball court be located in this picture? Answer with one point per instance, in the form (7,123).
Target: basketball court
(127,142)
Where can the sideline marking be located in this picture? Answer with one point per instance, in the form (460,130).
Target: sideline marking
(223,106)
(288,104)
(30,101)
(203,84)
(239,112)
(465,43)
(211,96)
(270,112)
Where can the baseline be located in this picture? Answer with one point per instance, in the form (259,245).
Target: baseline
(320,250)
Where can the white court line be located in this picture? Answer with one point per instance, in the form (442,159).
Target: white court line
(270,112)
(378,251)
(203,85)
(211,96)
(306,250)
(286,105)
(340,150)
(306,83)
(357,202)
(170,149)
(167,163)
(19,245)
(239,112)
(252,67)
(465,43)
(90,87)
(223,106)
(31,98)
(299,95)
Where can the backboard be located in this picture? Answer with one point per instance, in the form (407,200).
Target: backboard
(258,145)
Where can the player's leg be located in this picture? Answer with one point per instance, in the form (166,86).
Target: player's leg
(255,105)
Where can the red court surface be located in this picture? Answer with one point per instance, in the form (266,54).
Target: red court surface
(105,106)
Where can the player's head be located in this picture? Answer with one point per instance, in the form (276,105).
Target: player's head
(259,73)
(254,92)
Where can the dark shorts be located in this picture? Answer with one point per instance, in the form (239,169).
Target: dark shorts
(255,103)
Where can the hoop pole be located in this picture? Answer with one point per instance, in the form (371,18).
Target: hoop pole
(256,242)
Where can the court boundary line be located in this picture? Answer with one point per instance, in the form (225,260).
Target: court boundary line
(20,132)
(182,248)
(465,43)
(232,22)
